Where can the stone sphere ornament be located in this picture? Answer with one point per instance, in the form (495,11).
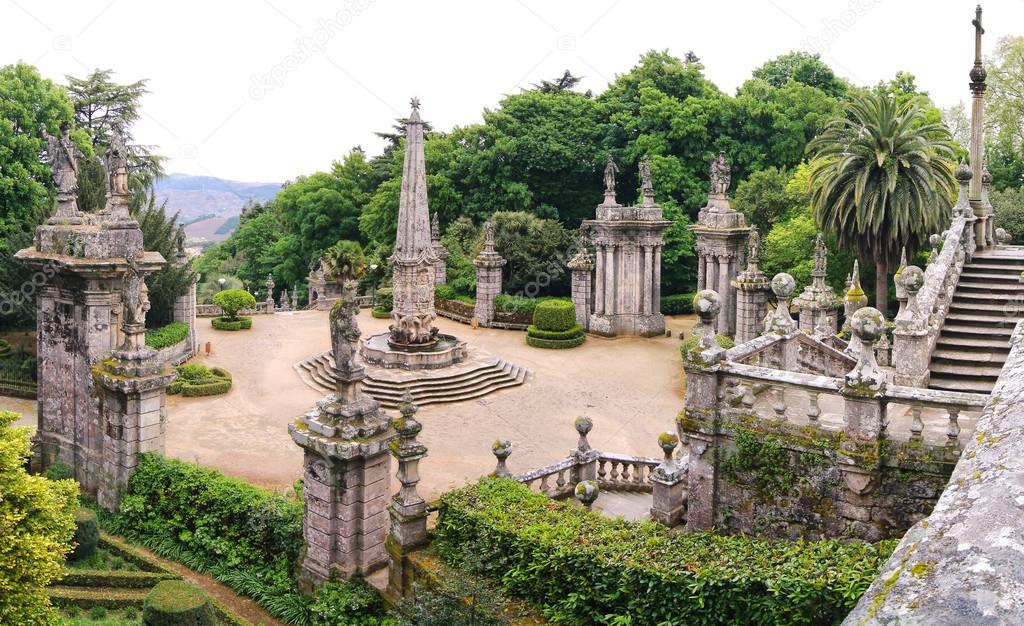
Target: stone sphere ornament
(587,492)
(868,324)
(783,285)
(935,240)
(583,425)
(707,303)
(912,278)
(1002,237)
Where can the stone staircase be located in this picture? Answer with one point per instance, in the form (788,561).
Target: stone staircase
(454,384)
(975,339)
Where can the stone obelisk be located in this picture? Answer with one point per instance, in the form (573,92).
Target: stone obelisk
(414,257)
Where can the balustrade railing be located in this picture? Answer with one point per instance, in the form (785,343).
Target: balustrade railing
(622,472)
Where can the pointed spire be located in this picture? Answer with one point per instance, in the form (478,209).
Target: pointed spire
(413,235)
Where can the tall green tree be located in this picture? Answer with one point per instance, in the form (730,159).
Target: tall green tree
(1004,116)
(881,178)
(801,67)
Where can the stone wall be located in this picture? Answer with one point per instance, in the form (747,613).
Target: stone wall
(964,564)
(176,354)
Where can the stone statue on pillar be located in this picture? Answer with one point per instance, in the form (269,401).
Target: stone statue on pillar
(721,175)
(610,170)
(116,210)
(63,155)
(646,185)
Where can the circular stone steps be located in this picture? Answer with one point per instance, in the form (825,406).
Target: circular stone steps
(479,375)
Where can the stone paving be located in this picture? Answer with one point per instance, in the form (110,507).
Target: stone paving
(631,387)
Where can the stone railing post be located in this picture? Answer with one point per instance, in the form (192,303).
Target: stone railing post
(751,293)
(865,383)
(910,352)
(818,304)
(699,423)
(488,278)
(502,449)
(584,455)
(408,510)
(669,483)
(780,321)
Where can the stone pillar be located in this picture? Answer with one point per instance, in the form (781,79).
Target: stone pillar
(628,242)
(345,441)
(751,293)
(977,84)
(722,236)
(408,510)
(669,485)
(488,278)
(699,423)
(440,252)
(295,299)
(818,304)
(863,411)
(986,205)
(582,268)
(285,300)
(185,304)
(910,353)
(584,455)
(270,293)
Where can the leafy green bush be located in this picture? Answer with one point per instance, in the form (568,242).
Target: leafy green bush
(380,313)
(385,299)
(167,335)
(690,343)
(5,348)
(58,471)
(447,292)
(224,323)
(231,301)
(677,304)
(87,535)
(348,604)
(582,568)
(177,603)
(572,333)
(198,380)
(1009,207)
(554,315)
(555,344)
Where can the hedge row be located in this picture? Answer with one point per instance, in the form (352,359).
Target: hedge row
(167,335)
(199,380)
(176,602)
(555,344)
(108,578)
(556,315)
(572,333)
(380,313)
(5,348)
(582,568)
(224,323)
(677,304)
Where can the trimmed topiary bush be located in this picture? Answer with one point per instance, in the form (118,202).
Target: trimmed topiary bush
(555,344)
(226,323)
(167,335)
(380,313)
(87,535)
(572,333)
(177,603)
(198,380)
(231,301)
(58,471)
(555,315)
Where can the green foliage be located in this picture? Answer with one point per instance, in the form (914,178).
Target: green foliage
(763,197)
(677,304)
(555,344)
(1004,113)
(581,568)
(87,535)
(447,292)
(380,313)
(167,335)
(385,299)
(177,603)
(801,67)
(571,333)
(554,315)
(763,456)
(58,471)
(346,259)
(36,523)
(455,597)
(1009,206)
(158,234)
(226,323)
(231,301)
(789,247)
(348,604)
(691,343)
(199,380)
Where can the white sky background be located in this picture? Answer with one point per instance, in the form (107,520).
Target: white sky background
(202,59)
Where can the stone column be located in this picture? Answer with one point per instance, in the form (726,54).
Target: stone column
(751,293)
(408,510)
(977,84)
(599,280)
(582,268)
(270,293)
(669,485)
(345,441)
(910,352)
(185,304)
(488,278)
(441,264)
(865,383)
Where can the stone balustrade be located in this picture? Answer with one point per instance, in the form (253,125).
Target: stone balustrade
(623,472)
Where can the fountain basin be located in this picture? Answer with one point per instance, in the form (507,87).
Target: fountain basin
(446,350)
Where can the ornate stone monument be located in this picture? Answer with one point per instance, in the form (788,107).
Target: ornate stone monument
(984,228)
(441,266)
(488,277)
(722,237)
(413,341)
(751,293)
(818,304)
(628,242)
(346,464)
(408,509)
(95,413)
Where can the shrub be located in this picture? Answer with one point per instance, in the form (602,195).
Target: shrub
(87,535)
(572,333)
(353,603)
(643,573)
(58,471)
(231,301)
(555,344)
(556,315)
(167,335)
(177,603)
(690,343)
(385,299)
(380,313)
(37,522)
(225,323)
(5,348)
(677,304)
(447,292)
(198,380)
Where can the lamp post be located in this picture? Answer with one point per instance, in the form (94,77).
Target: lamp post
(373,274)
(221,281)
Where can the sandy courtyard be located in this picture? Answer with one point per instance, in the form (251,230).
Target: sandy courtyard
(632,388)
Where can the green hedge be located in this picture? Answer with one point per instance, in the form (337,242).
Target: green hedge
(177,603)
(380,313)
(582,568)
(384,299)
(198,380)
(690,343)
(572,333)
(87,535)
(224,323)
(677,304)
(447,292)
(556,315)
(167,335)
(118,579)
(555,344)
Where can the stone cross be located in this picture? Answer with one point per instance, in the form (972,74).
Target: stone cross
(646,185)
(345,343)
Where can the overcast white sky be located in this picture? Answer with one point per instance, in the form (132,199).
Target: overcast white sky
(344,69)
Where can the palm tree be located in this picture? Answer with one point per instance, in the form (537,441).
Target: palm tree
(345,260)
(882,178)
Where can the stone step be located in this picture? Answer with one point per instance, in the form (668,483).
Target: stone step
(980,319)
(957,383)
(954,355)
(1002,332)
(984,296)
(980,307)
(1009,269)
(979,342)
(1010,275)
(970,371)
(990,286)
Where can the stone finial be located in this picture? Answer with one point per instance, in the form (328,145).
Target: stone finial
(1002,237)
(963,176)
(408,451)
(910,318)
(587,492)
(934,240)
(646,186)
(868,324)
(721,175)
(780,321)
(344,344)
(978,73)
(706,304)
(582,260)
(667,442)
(854,299)
(610,170)
(583,425)
(502,449)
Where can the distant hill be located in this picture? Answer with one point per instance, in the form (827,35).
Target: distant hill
(196,197)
